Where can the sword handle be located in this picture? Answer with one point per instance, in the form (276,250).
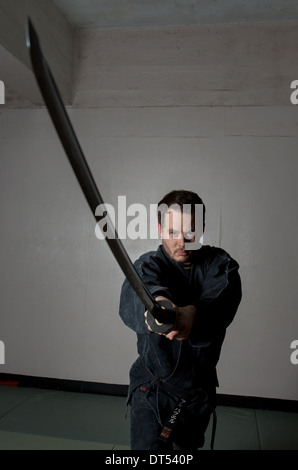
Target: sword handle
(163,317)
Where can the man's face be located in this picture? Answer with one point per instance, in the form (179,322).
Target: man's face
(178,229)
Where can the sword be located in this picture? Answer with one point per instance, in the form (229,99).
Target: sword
(161,315)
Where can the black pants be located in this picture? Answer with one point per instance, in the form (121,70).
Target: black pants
(149,411)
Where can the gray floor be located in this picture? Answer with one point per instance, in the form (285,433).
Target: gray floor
(34,419)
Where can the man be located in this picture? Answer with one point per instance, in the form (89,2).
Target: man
(173,383)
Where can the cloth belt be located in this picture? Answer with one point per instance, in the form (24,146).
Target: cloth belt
(184,397)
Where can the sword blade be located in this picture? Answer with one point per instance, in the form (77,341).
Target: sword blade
(79,164)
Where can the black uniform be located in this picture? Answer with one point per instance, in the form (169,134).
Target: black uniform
(172,384)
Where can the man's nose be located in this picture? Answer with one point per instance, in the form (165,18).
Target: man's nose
(181,239)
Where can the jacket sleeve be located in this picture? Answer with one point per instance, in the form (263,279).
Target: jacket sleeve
(131,308)
(219,301)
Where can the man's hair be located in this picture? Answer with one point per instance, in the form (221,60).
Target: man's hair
(180,197)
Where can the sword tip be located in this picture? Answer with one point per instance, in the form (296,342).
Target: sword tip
(28,27)
(30,32)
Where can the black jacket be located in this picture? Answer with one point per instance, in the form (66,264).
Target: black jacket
(213,285)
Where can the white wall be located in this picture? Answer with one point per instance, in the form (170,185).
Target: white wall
(60,285)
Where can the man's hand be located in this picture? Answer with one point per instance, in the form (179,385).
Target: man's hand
(185,318)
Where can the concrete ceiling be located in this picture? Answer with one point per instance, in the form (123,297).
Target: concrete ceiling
(21,88)
(136,13)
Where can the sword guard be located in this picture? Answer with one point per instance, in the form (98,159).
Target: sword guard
(163,318)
